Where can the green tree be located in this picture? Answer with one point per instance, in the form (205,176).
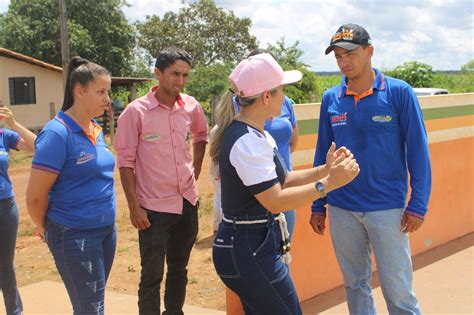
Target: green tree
(210,34)
(98,31)
(415,73)
(468,67)
(289,57)
(206,81)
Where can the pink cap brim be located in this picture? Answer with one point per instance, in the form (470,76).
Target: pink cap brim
(291,76)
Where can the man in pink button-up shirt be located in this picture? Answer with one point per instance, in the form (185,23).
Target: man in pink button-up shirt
(159,174)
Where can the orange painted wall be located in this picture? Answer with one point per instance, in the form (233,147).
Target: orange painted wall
(314,268)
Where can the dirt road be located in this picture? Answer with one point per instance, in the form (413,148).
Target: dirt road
(34,262)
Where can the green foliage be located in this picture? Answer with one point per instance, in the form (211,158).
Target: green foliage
(454,83)
(98,31)
(121,94)
(415,73)
(326,82)
(289,57)
(468,67)
(205,81)
(210,34)
(19,158)
(144,87)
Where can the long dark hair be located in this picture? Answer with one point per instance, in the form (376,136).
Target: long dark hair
(80,71)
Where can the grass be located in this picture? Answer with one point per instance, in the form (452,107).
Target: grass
(19,158)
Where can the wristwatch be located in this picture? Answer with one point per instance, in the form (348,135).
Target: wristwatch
(320,187)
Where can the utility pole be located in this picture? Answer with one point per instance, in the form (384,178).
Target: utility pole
(64,39)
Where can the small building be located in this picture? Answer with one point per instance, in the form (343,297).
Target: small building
(28,86)
(33,89)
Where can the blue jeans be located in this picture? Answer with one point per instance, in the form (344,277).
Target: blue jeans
(8,229)
(247,259)
(84,258)
(290,217)
(354,235)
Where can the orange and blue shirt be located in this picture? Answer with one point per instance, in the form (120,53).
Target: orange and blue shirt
(8,140)
(384,129)
(83,194)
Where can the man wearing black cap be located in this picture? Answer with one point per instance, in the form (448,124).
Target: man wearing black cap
(379,119)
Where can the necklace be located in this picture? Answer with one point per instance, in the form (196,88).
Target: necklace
(248,122)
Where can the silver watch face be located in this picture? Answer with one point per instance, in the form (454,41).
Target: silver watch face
(320,187)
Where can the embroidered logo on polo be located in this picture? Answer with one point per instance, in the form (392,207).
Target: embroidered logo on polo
(151,137)
(339,120)
(382,118)
(84,158)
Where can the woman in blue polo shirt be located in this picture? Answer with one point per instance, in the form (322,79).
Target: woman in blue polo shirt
(249,250)
(16,137)
(71,195)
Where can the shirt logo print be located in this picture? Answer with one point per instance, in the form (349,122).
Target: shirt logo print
(84,158)
(151,137)
(339,120)
(382,118)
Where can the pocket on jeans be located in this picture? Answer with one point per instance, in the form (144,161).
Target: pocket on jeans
(262,240)
(223,255)
(53,231)
(58,227)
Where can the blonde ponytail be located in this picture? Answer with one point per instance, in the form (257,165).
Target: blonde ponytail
(225,114)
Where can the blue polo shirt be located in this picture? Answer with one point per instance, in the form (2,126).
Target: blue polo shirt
(386,133)
(8,140)
(281,129)
(83,195)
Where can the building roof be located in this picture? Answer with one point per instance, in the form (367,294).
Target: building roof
(14,55)
(128,80)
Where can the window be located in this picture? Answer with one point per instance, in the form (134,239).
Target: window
(22,90)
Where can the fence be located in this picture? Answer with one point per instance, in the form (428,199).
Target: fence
(450,125)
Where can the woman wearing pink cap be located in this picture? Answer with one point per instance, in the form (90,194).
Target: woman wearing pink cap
(250,250)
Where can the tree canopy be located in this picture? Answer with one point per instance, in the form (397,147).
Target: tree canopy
(468,67)
(210,34)
(289,57)
(98,31)
(415,73)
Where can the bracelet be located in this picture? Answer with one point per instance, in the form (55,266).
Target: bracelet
(317,173)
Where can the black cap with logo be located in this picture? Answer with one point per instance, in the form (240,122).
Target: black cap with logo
(349,36)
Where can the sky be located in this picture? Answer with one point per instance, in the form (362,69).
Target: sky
(437,32)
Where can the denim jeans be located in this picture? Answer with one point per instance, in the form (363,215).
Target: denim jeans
(290,217)
(354,235)
(8,229)
(247,259)
(83,258)
(170,236)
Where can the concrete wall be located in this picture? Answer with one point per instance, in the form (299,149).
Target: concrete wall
(48,86)
(450,125)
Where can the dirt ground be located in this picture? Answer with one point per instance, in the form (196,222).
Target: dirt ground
(34,263)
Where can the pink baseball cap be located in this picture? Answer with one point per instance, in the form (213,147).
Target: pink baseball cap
(260,73)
